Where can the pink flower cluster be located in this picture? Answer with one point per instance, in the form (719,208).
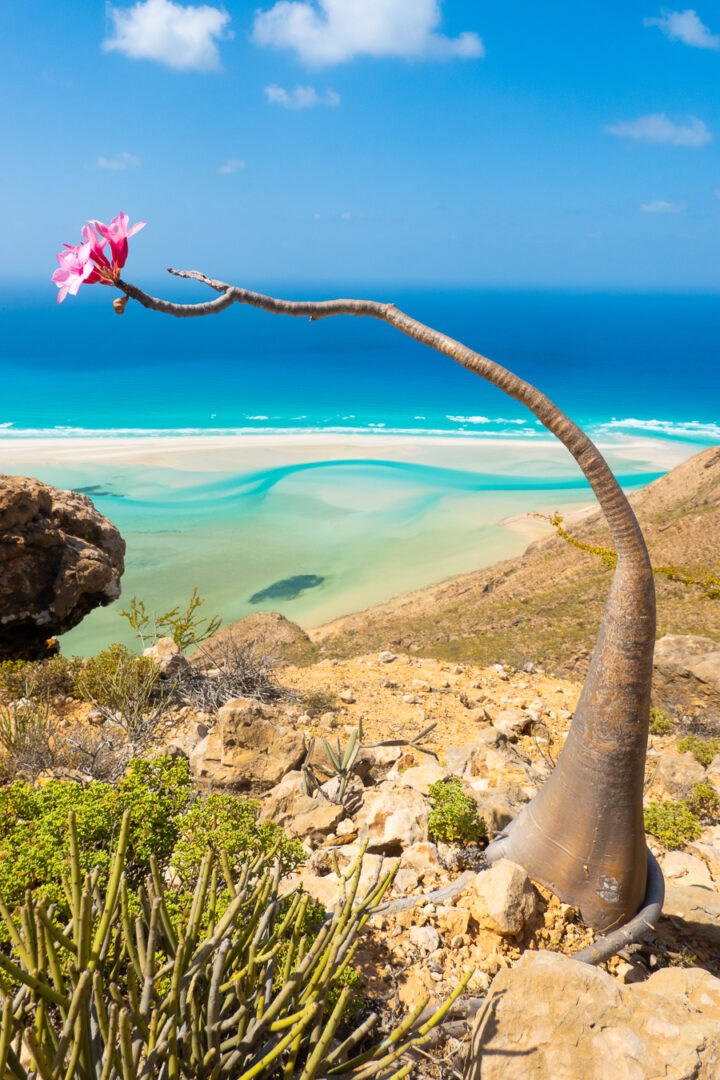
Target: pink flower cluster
(87,263)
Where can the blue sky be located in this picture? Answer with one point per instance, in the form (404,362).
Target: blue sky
(368,141)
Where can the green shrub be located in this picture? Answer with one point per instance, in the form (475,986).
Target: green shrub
(704,802)
(317,702)
(14,677)
(34,843)
(247,993)
(703,750)
(660,722)
(186,628)
(124,687)
(42,680)
(26,735)
(167,821)
(453,817)
(223,822)
(673,823)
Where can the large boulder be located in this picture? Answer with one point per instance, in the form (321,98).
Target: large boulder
(59,559)
(265,630)
(686,675)
(392,818)
(503,899)
(551,1018)
(247,749)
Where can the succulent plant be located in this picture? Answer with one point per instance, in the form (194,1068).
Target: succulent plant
(233,985)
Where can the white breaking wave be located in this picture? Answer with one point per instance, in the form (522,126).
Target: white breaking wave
(693,429)
(612,432)
(483,420)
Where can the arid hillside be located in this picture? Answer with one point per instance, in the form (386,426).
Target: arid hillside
(546,605)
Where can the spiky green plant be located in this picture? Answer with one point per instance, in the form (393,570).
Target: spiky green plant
(232,987)
(341,762)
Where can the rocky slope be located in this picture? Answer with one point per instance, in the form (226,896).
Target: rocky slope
(545,606)
(498,733)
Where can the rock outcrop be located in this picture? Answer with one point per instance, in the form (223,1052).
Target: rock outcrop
(246,750)
(59,559)
(551,1018)
(686,675)
(270,630)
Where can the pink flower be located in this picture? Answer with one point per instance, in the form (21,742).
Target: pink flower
(118,234)
(104,272)
(76,267)
(87,263)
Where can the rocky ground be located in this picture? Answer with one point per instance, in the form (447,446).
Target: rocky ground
(499,731)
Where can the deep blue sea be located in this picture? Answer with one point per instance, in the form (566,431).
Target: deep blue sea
(604,358)
(318,526)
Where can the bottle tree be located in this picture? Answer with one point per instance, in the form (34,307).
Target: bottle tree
(583,834)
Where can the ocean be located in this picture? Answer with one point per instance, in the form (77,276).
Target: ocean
(316,468)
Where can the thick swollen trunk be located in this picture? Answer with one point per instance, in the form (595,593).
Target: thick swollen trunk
(583,834)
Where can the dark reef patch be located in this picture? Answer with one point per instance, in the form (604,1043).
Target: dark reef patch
(287,588)
(95,491)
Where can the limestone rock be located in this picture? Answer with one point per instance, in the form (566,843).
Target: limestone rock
(551,1018)
(405,881)
(469,759)
(451,920)
(168,657)
(707,848)
(697,907)
(681,868)
(376,759)
(280,801)
(424,938)
(676,774)
(314,817)
(185,739)
(423,858)
(392,818)
(686,673)
(59,559)
(502,898)
(267,631)
(420,777)
(497,806)
(512,722)
(246,749)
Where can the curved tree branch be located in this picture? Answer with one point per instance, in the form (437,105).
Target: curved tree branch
(583,834)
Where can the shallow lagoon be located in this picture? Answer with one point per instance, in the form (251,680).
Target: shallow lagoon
(312,526)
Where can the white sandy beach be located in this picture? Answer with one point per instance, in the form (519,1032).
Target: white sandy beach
(210,452)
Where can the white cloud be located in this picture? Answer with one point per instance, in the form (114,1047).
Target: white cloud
(231,166)
(717,192)
(332,31)
(120,161)
(661,206)
(685,26)
(658,128)
(302,97)
(184,38)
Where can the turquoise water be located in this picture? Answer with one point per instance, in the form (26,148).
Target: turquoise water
(314,539)
(315,530)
